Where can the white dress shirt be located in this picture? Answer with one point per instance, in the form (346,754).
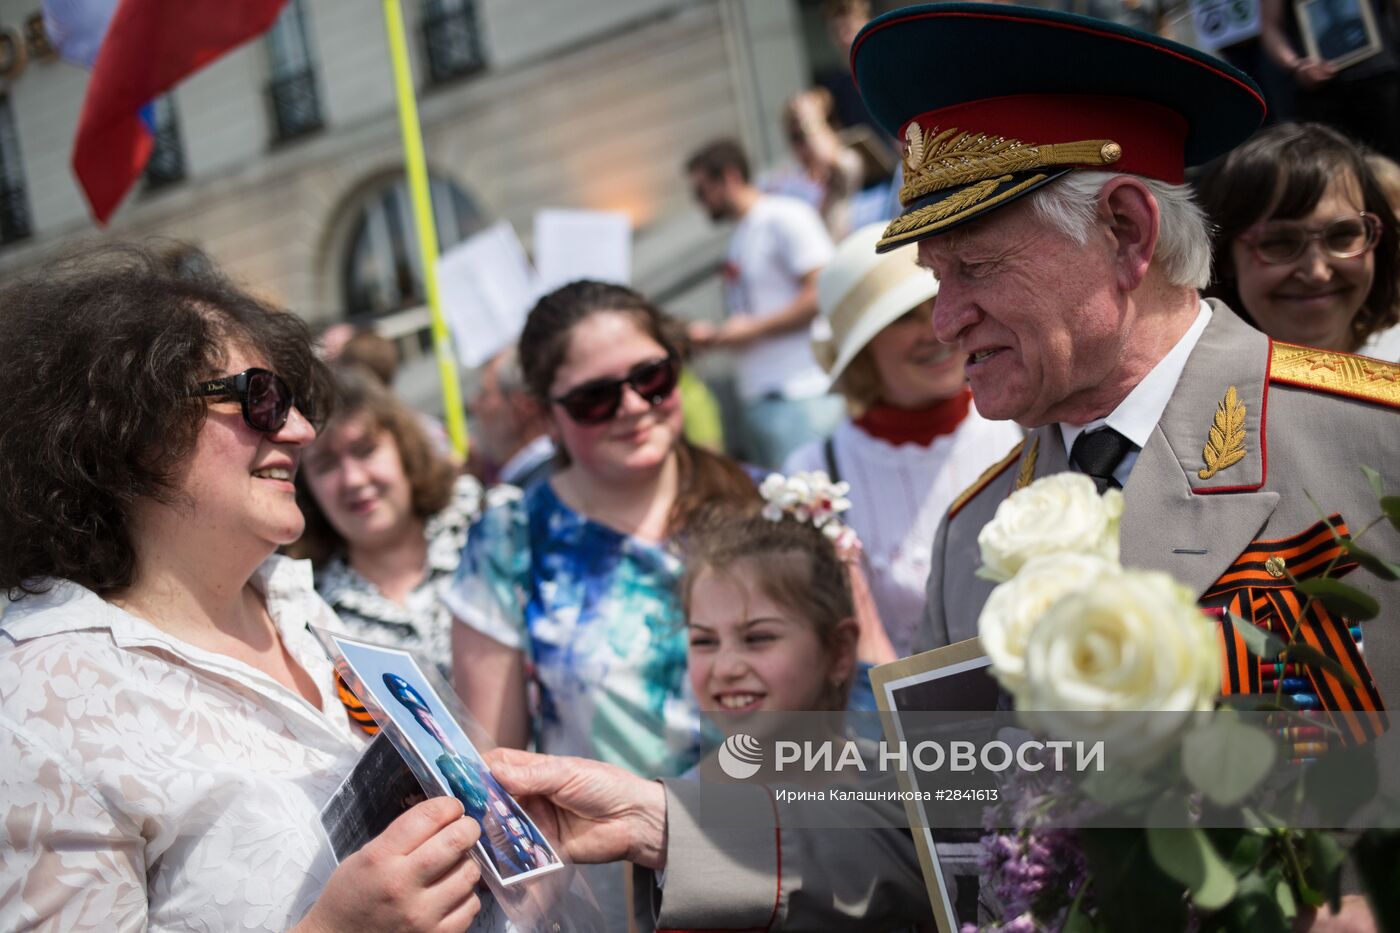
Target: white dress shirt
(1137,415)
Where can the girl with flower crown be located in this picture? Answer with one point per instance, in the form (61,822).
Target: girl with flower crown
(769,606)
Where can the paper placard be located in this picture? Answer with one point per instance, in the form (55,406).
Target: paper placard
(572,245)
(487,287)
(1221,23)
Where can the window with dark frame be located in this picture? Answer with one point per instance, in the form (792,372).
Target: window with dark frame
(382,270)
(167,163)
(291,88)
(452,37)
(14,195)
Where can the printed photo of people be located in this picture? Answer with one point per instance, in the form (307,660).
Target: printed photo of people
(512,846)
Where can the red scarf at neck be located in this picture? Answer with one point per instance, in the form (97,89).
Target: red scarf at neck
(915,426)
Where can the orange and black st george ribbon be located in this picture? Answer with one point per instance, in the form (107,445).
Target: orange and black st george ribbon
(1257,589)
(356,710)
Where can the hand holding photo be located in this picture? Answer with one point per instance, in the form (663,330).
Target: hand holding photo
(404,702)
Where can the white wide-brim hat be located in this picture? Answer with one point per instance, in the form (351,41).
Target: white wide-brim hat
(860,293)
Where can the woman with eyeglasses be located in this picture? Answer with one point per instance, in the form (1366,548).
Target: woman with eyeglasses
(169,726)
(1305,244)
(568,592)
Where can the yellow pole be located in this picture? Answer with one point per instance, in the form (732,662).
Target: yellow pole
(417,168)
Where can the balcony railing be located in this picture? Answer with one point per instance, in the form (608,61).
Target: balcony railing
(453,40)
(14,213)
(167,163)
(296,107)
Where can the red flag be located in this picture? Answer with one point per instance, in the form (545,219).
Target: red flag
(151,45)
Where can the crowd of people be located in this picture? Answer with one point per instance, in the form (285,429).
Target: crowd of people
(187,482)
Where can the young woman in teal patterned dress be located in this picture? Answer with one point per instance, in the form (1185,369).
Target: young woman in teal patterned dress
(567,594)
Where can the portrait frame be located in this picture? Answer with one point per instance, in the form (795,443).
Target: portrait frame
(1335,40)
(512,849)
(921,683)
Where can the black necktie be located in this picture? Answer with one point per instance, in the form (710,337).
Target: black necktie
(1098,454)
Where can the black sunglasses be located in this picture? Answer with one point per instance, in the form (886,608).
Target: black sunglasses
(598,401)
(266,399)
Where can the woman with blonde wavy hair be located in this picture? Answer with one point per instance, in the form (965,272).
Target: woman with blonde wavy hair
(912,441)
(386,519)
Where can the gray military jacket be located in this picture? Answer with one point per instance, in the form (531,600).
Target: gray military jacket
(1308,427)
(1311,420)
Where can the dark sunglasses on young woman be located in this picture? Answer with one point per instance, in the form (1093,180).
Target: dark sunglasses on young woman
(266,399)
(598,401)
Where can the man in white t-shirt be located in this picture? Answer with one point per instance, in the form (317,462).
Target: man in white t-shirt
(778,247)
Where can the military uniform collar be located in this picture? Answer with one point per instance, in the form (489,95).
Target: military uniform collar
(1137,415)
(1215,422)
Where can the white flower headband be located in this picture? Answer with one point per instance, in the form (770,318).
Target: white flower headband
(811,498)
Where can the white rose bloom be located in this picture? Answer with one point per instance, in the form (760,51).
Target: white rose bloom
(1057,513)
(1016,605)
(1134,641)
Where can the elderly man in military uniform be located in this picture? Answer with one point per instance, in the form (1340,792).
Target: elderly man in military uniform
(1043,163)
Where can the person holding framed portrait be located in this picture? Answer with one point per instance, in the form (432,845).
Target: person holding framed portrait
(1344,57)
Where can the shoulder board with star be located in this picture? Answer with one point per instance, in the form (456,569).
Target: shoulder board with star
(1336,373)
(991,473)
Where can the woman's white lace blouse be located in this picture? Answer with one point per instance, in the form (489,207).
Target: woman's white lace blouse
(151,784)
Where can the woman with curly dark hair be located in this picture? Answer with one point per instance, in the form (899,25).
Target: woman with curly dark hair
(386,519)
(169,728)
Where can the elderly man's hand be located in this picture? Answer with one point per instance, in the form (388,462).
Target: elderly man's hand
(596,812)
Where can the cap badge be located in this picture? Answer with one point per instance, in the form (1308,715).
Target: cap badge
(935,159)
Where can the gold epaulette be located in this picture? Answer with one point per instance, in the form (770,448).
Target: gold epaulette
(991,473)
(1336,373)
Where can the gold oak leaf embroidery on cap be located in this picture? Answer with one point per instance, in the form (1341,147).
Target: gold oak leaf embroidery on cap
(1225,444)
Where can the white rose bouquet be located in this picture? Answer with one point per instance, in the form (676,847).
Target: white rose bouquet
(1091,651)
(1077,640)
(1056,514)
(1015,607)
(1131,642)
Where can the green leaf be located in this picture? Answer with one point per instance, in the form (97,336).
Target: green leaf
(1325,860)
(1390,505)
(1257,641)
(1310,895)
(1246,852)
(1322,516)
(1377,565)
(1188,856)
(1226,759)
(1374,478)
(1341,782)
(1254,908)
(1261,823)
(1283,896)
(1116,788)
(1340,598)
(1075,920)
(1303,653)
(1130,891)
